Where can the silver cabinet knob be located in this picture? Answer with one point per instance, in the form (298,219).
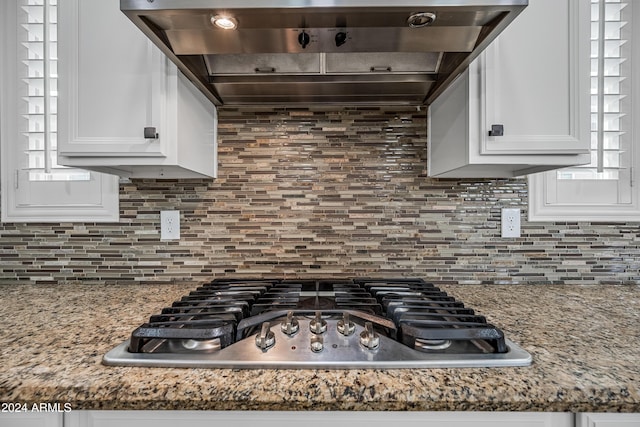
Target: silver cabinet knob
(368,338)
(290,325)
(318,325)
(345,326)
(265,339)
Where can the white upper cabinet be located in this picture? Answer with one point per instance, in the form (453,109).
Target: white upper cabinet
(523,105)
(114,83)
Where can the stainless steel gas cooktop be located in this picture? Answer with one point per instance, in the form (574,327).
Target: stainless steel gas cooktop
(339,324)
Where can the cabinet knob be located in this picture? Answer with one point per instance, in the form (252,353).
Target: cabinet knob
(150,133)
(496,130)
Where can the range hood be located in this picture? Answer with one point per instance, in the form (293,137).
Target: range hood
(356,52)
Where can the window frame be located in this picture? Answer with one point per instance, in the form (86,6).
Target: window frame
(96,200)
(540,209)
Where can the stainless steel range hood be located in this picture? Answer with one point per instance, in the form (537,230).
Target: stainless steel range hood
(283,52)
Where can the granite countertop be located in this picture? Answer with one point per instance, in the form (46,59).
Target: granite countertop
(585,343)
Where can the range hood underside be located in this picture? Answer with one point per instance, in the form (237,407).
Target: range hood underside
(362,78)
(352,54)
(284,90)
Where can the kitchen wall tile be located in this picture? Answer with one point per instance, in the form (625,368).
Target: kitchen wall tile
(321,192)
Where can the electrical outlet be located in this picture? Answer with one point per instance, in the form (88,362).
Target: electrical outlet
(510,222)
(169,225)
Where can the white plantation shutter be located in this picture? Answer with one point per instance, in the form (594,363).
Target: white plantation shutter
(609,95)
(604,188)
(34,186)
(38,39)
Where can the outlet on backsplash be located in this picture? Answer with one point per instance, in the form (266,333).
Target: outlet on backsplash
(510,222)
(169,225)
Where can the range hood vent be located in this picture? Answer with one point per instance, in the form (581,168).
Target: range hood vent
(355,52)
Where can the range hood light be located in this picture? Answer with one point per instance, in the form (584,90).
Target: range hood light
(224,22)
(422,19)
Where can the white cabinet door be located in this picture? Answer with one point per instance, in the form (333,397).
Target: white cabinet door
(110,81)
(533,81)
(313,419)
(30,419)
(607,420)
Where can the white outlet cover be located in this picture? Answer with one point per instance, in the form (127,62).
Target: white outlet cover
(510,222)
(169,225)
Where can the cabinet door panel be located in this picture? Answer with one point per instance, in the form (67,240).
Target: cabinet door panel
(30,419)
(535,81)
(314,419)
(109,75)
(608,420)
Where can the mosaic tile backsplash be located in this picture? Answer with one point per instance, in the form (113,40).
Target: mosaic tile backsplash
(322,192)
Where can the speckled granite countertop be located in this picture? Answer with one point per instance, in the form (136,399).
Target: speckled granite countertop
(585,342)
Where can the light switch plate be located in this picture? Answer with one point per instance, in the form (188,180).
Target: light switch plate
(169,225)
(510,222)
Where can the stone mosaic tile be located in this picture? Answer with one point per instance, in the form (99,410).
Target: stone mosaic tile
(322,191)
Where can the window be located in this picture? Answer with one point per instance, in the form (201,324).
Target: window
(34,186)
(604,189)
(38,47)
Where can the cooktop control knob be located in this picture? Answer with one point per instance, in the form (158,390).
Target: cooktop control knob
(345,326)
(368,338)
(317,343)
(318,325)
(341,38)
(304,39)
(290,325)
(265,339)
